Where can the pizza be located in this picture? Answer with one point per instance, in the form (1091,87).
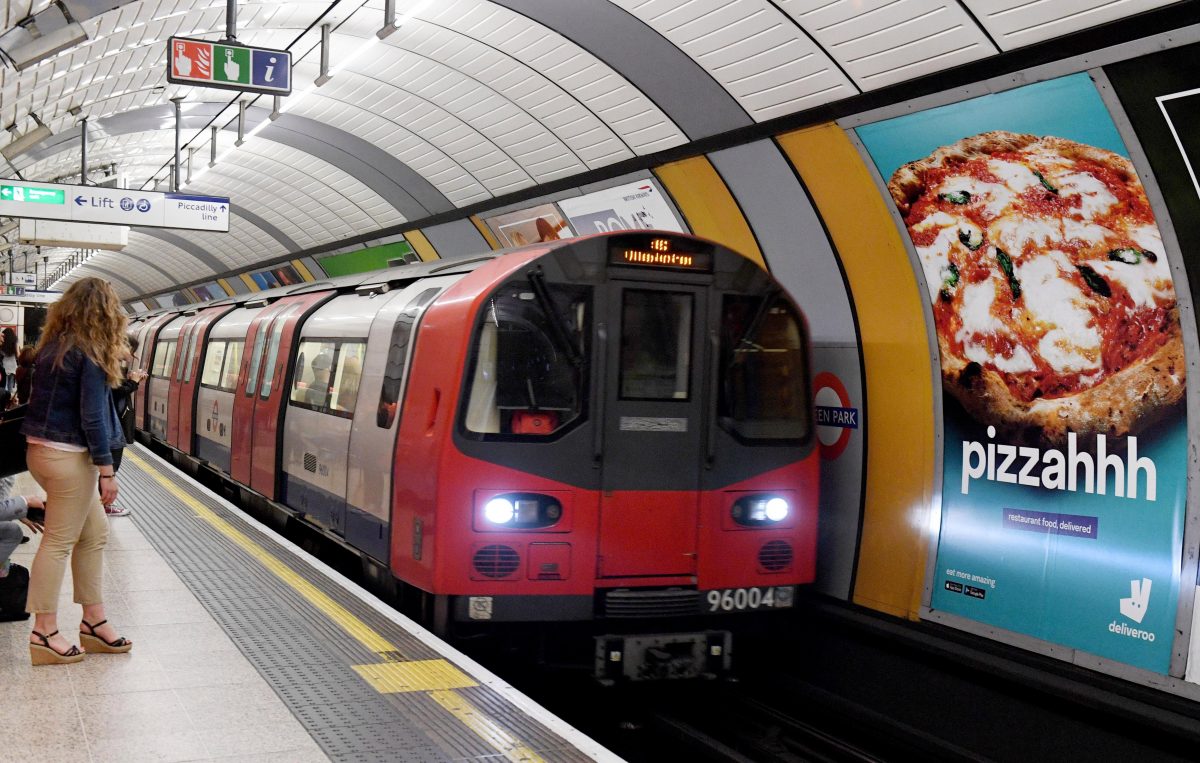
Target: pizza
(1052,296)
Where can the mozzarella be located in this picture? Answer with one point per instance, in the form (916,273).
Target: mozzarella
(1012,232)
(1016,176)
(1089,232)
(1094,196)
(995,197)
(935,257)
(978,320)
(1072,341)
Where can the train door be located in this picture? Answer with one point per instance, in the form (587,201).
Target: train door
(147,341)
(185,407)
(244,396)
(161,370)
(654,399)
(271,392)
(185,354)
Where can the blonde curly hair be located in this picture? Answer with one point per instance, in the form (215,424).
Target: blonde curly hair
(88,316)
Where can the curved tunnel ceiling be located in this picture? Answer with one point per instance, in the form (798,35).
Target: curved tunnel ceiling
(466,101)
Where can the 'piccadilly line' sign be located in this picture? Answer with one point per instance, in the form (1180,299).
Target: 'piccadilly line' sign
(229,66)
(114,206)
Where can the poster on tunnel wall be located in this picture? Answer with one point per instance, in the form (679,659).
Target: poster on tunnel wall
(1063,372)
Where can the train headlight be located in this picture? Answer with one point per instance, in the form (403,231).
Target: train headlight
(499,511)
(760,510)
(522,511)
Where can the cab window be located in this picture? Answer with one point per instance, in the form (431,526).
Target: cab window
(527,377)
(763,370)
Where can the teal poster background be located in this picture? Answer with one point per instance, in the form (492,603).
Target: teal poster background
(1002,558)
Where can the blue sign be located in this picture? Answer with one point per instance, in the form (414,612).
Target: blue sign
(270,69)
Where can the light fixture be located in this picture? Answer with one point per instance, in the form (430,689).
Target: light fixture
(760,510)
(23,143)
(36,38)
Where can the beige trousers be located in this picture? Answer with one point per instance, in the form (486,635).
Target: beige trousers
(75,526)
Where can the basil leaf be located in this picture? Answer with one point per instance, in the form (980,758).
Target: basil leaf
(1006,265)
(1095,281)
(956,197)
(1045,182)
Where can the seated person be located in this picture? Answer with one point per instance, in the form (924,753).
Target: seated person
(14,579)
(317,392)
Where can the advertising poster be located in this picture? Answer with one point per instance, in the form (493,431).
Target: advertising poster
(1065,463)
(529,226)
(633,206)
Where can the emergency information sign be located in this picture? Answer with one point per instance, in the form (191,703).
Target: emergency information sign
(229,66)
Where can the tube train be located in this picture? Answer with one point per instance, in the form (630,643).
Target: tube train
(614,429)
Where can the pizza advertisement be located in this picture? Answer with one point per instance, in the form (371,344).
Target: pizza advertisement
(1062,364)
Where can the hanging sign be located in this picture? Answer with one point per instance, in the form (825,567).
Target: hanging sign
(113,206)
(229,66)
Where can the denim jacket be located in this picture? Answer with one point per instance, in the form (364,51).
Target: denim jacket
(73,404)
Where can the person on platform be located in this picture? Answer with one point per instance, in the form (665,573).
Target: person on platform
(24,373)
(8,358)
(72,429)
(16,511)
(123,399)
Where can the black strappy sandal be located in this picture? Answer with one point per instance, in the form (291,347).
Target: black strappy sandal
(95,643)
(44,654)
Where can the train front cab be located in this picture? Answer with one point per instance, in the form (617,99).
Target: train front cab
(632,443)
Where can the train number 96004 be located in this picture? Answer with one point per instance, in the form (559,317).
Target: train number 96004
(747,599)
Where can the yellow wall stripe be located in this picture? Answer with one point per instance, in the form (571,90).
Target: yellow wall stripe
(421,245)
(486,232)
(900,436)
(249,282)
(303,270)
(708,206)
(435,677)
(225,285)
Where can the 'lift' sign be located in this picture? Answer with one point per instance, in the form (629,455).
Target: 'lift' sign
(229,66)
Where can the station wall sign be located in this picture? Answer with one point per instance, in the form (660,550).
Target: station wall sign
(229,66)
(113,206)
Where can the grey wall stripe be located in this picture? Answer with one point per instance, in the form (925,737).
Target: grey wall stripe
(313,267)
(190,247)
(238,285)
(459,238)
(266,227)
(791,236)
(171,277)
(668,76)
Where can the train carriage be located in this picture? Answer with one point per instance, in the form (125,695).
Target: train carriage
(614,429)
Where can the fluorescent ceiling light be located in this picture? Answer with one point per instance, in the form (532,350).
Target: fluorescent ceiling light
(39,37)
(24,143)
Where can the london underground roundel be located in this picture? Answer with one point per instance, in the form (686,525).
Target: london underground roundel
(836,419)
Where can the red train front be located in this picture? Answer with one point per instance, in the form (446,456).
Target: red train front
(613,430)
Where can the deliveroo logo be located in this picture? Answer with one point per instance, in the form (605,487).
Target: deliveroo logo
(1135,606)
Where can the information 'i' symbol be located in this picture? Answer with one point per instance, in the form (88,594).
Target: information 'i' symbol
(270,69)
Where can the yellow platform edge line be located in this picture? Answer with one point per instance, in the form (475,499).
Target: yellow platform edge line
(384,675)
(484,727)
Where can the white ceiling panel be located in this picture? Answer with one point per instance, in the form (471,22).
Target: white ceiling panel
(752,48)
(882,42)
(1013,23)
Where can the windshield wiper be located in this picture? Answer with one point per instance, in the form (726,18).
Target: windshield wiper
(558,328)
(756,322)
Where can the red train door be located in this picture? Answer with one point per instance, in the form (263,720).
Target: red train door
(653,417)
(185,410)
(184,356)
(259,400)
(247,387)
(146,352)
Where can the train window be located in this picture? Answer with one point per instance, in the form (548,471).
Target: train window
(233,362)
(162,359)
(344,392)
(656,345)
(273,351)
(260,338)
(191,353)
(183,337)
(210,374)
(763,385)
(528,375)
(393,373)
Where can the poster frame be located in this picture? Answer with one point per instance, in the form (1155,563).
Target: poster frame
(1090,64)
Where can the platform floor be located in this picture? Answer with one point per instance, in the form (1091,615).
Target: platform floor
(248,649)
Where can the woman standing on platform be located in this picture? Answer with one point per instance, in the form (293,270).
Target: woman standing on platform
(8,359)
(72,429)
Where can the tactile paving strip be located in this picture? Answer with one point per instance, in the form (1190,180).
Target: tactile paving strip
(305,656)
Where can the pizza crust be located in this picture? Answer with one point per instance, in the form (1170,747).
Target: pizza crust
(1123,403)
